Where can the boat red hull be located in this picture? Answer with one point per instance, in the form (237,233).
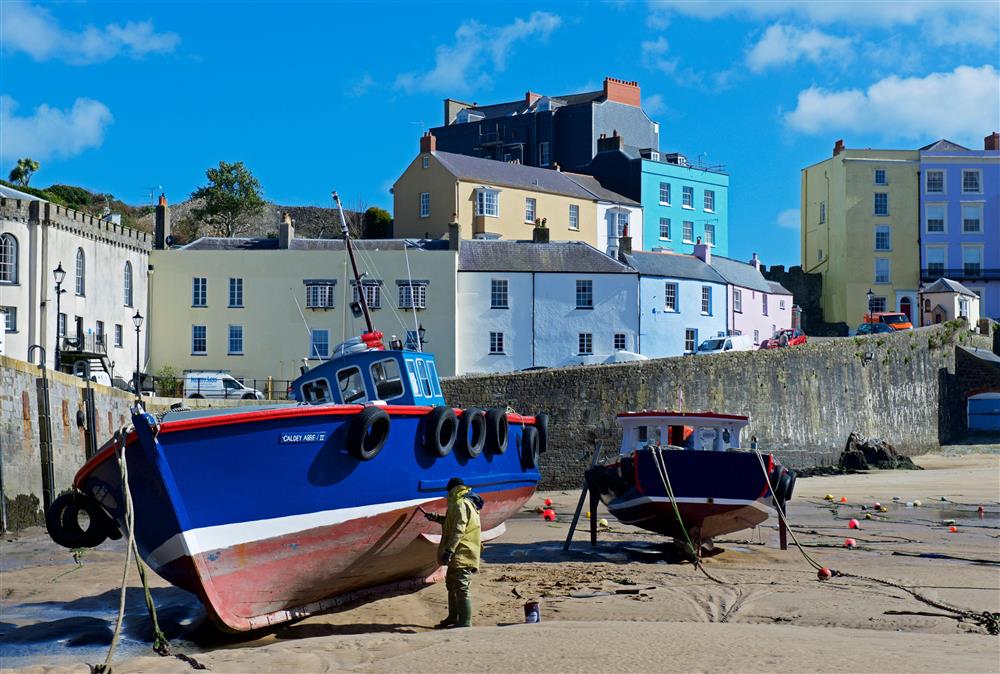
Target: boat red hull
(706,520)
(253,585)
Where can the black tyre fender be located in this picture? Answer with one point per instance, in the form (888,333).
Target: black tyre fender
(783,484)
(472,432)
(529,447)
(775,478)
(440,430)
(542,424)
(367,433)
(791,485)
(497,431)
(62,521)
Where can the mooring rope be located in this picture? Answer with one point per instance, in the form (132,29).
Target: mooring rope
(987,619)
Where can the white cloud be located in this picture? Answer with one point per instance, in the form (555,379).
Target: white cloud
(465,65)
(51,132)
(961,104)
(788,219)
(784,45)
(654,56)
(362,85)
(944,22)
(34,31)
(654,105)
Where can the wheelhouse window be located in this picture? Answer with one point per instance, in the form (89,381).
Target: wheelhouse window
(8,258)
(584,294)
(316,391)
(387,378)
(499,296)
(352,385)
(127,284)
(412,295)
(488,202)
(81,273)
(424,377)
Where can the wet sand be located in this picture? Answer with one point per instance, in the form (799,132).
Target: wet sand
(618,608)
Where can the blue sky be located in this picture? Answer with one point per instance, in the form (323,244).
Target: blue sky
(121,97)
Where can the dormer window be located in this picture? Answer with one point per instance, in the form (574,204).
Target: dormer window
(466,115)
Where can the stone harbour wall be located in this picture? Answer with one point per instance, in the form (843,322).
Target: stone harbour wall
(20,432)
(802,401)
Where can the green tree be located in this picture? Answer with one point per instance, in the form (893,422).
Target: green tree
(378,223)
(230,199)
(21,174)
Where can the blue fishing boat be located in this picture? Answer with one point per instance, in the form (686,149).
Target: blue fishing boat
(688,476)
(272,512)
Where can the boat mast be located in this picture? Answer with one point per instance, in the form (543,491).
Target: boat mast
(354,264)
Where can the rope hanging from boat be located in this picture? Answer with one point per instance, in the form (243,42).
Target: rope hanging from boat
(661,469)
(986,619)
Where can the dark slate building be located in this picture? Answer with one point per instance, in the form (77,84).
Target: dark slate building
(547,130)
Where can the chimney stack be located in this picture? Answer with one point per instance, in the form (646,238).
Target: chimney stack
(428,143)
(755,261)
(530,98)
(624,246)
(161,230)
(540,233)
(703,251)
(606,144)
(454,234)
(286,232)
(992,142)
(621,91)
(838,147)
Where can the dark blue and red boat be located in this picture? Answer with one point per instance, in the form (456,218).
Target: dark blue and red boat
(270,513)
(693,461)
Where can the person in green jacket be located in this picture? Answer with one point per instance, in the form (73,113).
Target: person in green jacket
(460,549)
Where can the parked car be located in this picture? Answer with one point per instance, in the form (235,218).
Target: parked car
(874,328)
(725,343)
(894,319)
(217,385)
(786,337)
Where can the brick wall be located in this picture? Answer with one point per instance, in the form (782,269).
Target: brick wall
(802,401)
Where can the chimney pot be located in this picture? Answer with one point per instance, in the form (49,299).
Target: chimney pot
(286,232)
(838,147)
(755,261)
(163,199)
(992,141)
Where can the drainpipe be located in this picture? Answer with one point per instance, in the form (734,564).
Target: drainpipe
(532,319)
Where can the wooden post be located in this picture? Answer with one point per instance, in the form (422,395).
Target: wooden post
(583,497)
(782,532)
(595,500)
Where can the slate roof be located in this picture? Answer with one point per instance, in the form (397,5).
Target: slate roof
(741,274)
(945,285)
(266,243)
(944,145)
(592,185)
(778,289)
(527,256)
(505,174)
(673,265)
(521,106)
(11,193)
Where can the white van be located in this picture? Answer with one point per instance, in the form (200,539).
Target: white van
(217,385)
(725,343)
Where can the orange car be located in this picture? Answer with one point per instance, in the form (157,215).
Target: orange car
(894,319)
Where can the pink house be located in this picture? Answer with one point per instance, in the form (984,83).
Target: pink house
(755,306)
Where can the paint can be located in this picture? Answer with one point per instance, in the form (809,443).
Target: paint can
(532,612)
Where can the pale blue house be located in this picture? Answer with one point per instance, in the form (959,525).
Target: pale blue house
(682,302)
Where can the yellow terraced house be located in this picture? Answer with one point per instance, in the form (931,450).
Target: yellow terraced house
(859,224)
(491,199)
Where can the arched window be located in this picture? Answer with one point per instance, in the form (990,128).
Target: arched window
(8,258)
(81,284)
(128,284)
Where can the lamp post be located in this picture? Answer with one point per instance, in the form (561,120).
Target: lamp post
(920,304)
(871,298)
(60,275)
(137,320)
(421,337)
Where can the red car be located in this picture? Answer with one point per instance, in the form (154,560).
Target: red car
(787,337)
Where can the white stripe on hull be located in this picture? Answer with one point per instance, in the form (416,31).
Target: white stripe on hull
(643,500)
(205,539)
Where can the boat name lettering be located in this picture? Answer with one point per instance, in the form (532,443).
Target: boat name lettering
(292,438)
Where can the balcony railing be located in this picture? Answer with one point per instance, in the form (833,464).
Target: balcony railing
(92,343)
(967,273)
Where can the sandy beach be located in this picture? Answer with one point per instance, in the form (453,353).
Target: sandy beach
(620,607)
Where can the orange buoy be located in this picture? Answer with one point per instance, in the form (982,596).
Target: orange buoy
(549,515)
(850,543)
(853,524)
(877,506)
(548,502)
(843,499)
(824,574)
(953,530)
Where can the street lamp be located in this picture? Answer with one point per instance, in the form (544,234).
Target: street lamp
(60,275)
(137,320)
(421,338)
(871,298)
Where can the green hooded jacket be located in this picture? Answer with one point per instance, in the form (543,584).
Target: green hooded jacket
(461,530)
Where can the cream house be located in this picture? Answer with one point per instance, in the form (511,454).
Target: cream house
(946,300)
(256,307)
(495,199)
